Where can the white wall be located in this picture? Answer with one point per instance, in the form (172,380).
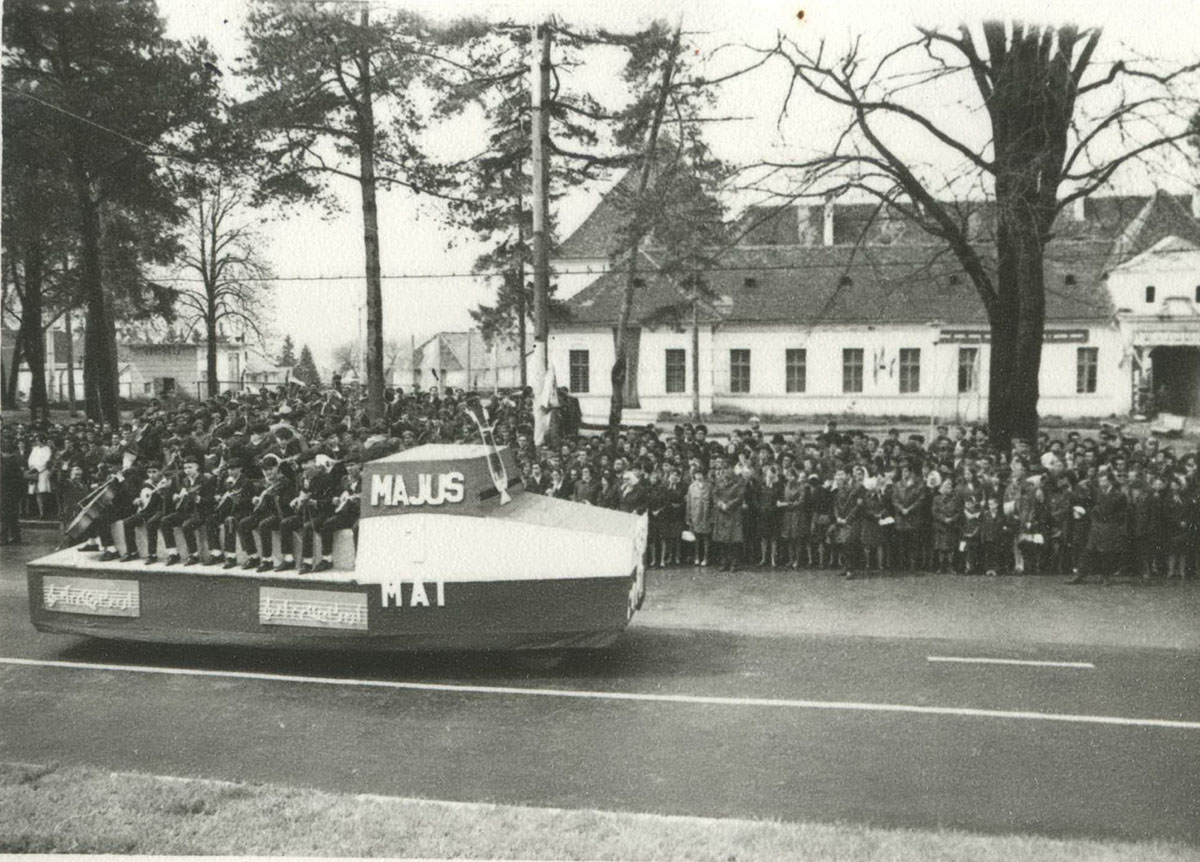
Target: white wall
(1174,274)
(938,393)
(652,384)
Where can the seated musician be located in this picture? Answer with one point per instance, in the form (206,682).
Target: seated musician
(312,505)
(125,481)
(270,508)
(193,506)
(230,508)
(345,514)
(153,503)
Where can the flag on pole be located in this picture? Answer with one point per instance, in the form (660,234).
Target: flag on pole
(543,406)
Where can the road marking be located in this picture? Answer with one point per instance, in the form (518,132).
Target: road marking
(585,694)
(956,659)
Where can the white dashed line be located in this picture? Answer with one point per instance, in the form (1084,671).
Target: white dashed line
(584,694)
(955,659)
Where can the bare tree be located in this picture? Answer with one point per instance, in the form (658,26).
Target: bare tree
(220,249)
(1059,126)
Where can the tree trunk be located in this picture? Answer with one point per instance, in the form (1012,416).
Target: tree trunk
(366,157)
(210,353)
(695,359)
(31,322)
(1017,321)
(620,366)
(100,372)
(70,362)
(12,375)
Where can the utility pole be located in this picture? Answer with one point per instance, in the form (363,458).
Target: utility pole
(540,64)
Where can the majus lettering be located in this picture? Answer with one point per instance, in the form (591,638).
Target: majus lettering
(431,490)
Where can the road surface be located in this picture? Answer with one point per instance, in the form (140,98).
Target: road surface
(1059,740)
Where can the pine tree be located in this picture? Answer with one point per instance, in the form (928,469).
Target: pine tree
(287,356)
(305,370)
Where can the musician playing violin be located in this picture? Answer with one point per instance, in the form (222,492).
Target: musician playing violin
(270,507)
(153,502)
(194,500)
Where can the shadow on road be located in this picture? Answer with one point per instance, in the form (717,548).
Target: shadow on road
(640,654)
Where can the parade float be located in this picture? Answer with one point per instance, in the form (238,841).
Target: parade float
(452,554)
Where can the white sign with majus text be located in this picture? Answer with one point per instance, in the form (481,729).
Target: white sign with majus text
(94,596)
(318,609)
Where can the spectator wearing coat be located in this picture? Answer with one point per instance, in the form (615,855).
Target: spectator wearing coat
(698,513)
(1107,531)
(729,500)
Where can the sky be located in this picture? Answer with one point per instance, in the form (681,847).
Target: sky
(416,238)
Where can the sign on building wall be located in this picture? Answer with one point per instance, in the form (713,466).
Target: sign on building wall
(983,336)
(1167,337)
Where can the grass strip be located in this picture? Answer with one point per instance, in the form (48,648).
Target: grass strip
(45,809)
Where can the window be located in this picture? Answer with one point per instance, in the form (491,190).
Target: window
(796,369)
(676,370)
(1085,369)
(910,369)
(581,377)
(739,371)
(148,388)
(968,369)
(1149,293)
(852,369)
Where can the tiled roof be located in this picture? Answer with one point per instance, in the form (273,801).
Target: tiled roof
(841,284)
(1159,217)
(597,236)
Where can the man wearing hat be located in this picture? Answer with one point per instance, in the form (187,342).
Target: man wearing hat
(233,504)
(313,503)
(152,505)
(193,508)
(268,512)
(344,516)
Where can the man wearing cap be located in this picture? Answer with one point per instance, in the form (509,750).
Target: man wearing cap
(193,508)
(153,501)
(269,510)
(313,503)
(231,506)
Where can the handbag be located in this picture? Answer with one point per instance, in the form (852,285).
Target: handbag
(688,536)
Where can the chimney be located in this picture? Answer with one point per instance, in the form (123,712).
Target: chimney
(827,235)
(1077,209)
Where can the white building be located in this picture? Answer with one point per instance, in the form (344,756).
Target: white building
(804,318)
(465,361)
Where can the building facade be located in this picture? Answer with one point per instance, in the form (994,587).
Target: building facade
(818,311)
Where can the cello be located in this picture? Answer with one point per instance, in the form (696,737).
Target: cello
(91,508)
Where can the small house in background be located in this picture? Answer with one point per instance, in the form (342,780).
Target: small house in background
(464,360)
(145,369)
(165,370)
(262,372)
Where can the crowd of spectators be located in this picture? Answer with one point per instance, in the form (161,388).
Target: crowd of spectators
(851,501)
